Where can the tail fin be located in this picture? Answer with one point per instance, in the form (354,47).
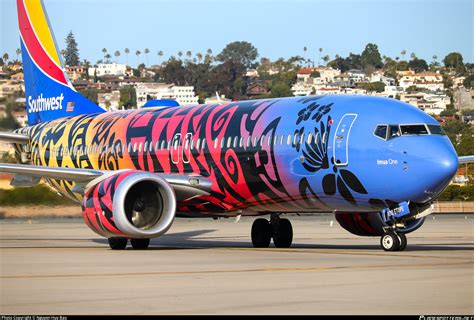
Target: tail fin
(49,93)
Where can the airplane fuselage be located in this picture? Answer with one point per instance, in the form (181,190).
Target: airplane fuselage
(304,154)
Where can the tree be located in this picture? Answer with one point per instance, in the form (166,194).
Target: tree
(418,65)
(239,52)
(104,52)
(469,81)
(127,51)
(320,53)
(117,54)
(5,58)
(147,51)
(371,56)
(71,54)
(326,59)
(372,86)
(138,53)
(280,89)
(128,97)
(413,55)
(160,54)
(180,54)
(354,61)
(188,54)
(107,58)
(403,53)
(18,52)
(199,57)
(340,64)
(454,60)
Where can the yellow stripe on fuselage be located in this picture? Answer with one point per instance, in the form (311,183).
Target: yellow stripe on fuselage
(41,28)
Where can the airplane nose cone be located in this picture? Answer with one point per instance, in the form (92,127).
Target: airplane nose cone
(443,167)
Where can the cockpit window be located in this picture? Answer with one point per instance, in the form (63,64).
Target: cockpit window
(413,129)
(436,129)
(394,131)
(381,131)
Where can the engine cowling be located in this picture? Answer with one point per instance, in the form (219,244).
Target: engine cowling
(132,204)
(370,224)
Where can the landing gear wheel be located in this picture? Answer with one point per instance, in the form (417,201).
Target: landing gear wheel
(283,236)
(140,244)
(261,233)
(403,241)
(117,243)
(390,241)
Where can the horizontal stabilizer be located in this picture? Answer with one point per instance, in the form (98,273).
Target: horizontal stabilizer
(466,159)
(14,138)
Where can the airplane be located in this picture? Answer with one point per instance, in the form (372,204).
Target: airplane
(376,163)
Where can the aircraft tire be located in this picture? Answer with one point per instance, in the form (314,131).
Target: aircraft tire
(117,243)
(140,244)
(261,233)
(390,241)
(403,241)
(284,235)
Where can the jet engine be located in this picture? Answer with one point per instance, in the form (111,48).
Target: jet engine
(131,204)
(371,224)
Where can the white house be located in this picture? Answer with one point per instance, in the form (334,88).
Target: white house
(108,69)
(109,100)
(184,95)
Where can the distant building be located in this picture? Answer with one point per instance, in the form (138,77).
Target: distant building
(427,81)
(257,89)
(184,95)
(431,103)
(76,72)
(18,77)
(109,100)
(252,73)
(21,117)
(108,69)
(8,88)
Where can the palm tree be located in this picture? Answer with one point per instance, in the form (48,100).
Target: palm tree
(188,54)
(146,55)
(199,57)
(160,54)
(209,51)
(435,57)
(18,52)
(403,53)
(117,54)
(107,57)
(104,51)
(397,58)
(305,49)
(412,55)
(138,53)
(127,51)
(326,59)
(180,54)
(320,52)
(5,57)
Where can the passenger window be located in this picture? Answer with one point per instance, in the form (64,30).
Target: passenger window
(381,131)
(325,135)
(288,141)
(215,143)
(249,141)
(198,143)
(229,141)
(413,129)
(281,139)
(261,140)
(162,144)
(255,141)
(241,142)
(145,147)
(203,143)
(222,143)
(310,136)
(236,140)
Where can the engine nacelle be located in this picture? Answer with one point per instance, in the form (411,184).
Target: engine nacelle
(132,204)
(371,224)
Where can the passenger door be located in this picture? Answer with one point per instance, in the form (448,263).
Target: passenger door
(341,139)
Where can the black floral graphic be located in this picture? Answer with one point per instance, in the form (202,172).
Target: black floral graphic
(315,152)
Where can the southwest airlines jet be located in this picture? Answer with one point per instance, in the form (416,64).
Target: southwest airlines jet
(377,163)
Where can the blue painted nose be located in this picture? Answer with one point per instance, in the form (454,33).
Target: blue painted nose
(442,167)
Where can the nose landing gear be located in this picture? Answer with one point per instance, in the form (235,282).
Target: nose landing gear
(393,241)
(280,230)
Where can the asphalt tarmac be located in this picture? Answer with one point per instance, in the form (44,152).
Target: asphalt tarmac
(209,267)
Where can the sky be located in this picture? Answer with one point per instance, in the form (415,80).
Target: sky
(277,28)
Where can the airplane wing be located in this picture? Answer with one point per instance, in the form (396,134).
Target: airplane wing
(185,186)
(466,159)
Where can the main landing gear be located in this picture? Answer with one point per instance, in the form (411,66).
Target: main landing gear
(393,241)
(280,230)
(119,243)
